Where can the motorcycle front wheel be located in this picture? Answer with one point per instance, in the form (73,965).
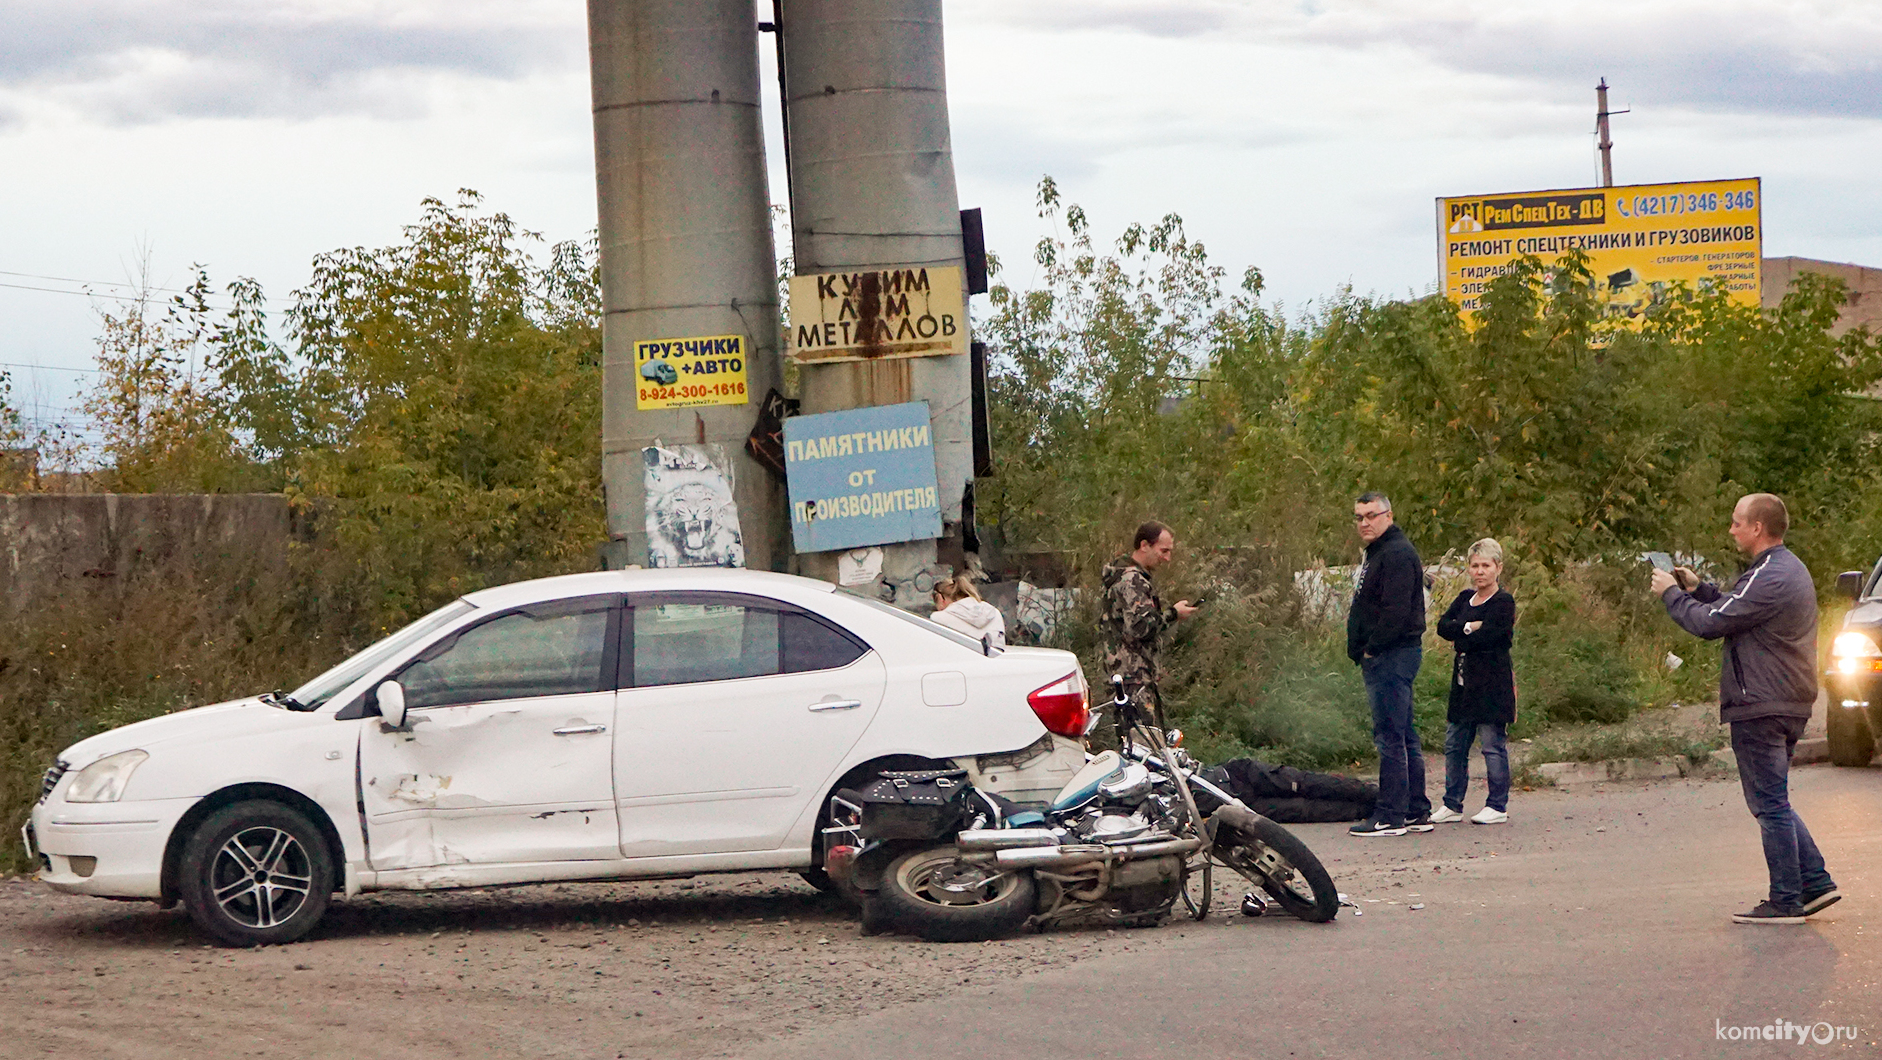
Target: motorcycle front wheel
(932,894)
(1275,860)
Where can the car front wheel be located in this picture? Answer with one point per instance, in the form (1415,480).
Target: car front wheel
(1851,742)
(256,873)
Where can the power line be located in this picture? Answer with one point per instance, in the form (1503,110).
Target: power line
(98,283)
(46,367)
(93,294)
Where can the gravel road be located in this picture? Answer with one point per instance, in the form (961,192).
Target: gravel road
(695,968)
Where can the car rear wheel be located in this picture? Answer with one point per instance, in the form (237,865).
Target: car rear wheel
(1851,741)
(256,873)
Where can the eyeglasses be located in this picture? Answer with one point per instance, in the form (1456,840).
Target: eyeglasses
(1366,517)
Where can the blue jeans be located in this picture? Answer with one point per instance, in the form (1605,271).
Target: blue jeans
(1763,747)
(1401,761)
(1491,735)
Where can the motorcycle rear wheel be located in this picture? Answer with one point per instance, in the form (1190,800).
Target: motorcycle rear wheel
(933,895)
(1275,860)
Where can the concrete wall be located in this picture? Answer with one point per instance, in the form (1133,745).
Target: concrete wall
(1865,288)
(48,540)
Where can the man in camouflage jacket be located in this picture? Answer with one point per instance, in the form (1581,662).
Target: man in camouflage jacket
(1134,617)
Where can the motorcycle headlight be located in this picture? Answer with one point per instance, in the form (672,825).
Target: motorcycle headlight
(104,780)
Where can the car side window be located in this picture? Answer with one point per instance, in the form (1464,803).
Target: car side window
(813,644)
(676,640)
(515,656)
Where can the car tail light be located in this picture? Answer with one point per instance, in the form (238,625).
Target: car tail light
(1061,705)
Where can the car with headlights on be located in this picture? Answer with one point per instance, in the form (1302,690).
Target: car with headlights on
(1855,676)
(606,726)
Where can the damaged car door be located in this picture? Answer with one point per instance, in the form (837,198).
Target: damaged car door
(506,754)
(735,713)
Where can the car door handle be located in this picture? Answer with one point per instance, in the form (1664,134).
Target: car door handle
(580,730)
(837,704)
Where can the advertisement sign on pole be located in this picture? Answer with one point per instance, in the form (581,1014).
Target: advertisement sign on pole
(867,316)
(1640,239)
(861,477)
(684,373)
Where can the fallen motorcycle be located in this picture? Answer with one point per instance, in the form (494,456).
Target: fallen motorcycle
(1129,836)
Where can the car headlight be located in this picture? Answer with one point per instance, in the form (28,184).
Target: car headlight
(1855,652)
(104,780)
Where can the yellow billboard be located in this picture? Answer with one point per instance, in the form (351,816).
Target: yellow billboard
(1640,239)
(713,366)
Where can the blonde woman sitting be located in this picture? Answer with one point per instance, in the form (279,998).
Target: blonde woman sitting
(958,606)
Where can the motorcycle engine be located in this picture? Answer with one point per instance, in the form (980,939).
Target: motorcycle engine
(1111,823)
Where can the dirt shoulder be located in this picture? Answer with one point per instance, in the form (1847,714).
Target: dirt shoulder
(692,968)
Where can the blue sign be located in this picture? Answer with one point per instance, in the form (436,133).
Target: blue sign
(861,477)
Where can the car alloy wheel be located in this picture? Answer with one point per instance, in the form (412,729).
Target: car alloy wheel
(261,877)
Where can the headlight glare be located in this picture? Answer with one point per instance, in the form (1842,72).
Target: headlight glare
(104,780)
(1854,645)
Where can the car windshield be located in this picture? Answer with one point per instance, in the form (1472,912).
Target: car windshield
(957,637)
(314,694)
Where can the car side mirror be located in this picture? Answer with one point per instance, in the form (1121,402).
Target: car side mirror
(1849,583)
(391,696)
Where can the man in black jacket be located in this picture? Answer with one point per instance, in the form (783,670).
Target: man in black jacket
(1384,632)
(1767,688)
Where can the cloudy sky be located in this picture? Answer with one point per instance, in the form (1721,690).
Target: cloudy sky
(1308,137)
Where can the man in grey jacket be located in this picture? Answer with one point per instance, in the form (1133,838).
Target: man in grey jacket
(1767,687)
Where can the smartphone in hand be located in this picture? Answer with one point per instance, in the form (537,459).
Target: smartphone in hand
(1661,561)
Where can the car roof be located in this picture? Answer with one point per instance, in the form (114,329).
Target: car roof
(712,579)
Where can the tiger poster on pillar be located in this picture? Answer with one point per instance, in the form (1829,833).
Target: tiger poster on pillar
(867,316)
(861,477)
(685,373)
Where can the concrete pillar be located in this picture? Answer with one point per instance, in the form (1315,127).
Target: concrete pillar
(686,246)
(872,186)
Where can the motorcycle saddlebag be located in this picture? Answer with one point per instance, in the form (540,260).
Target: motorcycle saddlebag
(914,804)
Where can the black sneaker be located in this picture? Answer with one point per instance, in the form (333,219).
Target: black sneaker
(1814,902)
(1376,827)
(1766,913)
(1422,823)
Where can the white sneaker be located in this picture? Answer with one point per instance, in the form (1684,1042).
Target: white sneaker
(1445,815)
(1488,816)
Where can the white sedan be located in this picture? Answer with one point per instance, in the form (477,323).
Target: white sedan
(616,725)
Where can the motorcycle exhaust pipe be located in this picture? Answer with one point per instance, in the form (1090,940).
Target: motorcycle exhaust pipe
(1006,838)
(1058,857)
(1052,857)
(1173,846)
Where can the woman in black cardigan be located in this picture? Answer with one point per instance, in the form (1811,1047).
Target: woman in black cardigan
(1480,624)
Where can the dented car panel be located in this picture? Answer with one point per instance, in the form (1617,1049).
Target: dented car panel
(491,782)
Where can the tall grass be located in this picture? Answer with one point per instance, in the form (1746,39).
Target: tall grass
(95,654)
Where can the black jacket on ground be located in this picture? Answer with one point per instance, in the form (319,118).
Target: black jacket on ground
(1483,686)
(1769,622)
(1294,796)
(1389,606)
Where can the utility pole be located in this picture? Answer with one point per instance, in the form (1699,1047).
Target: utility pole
(1605,142)
(687,256)
(872,187)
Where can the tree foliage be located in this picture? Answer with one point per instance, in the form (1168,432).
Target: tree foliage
(438,400)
